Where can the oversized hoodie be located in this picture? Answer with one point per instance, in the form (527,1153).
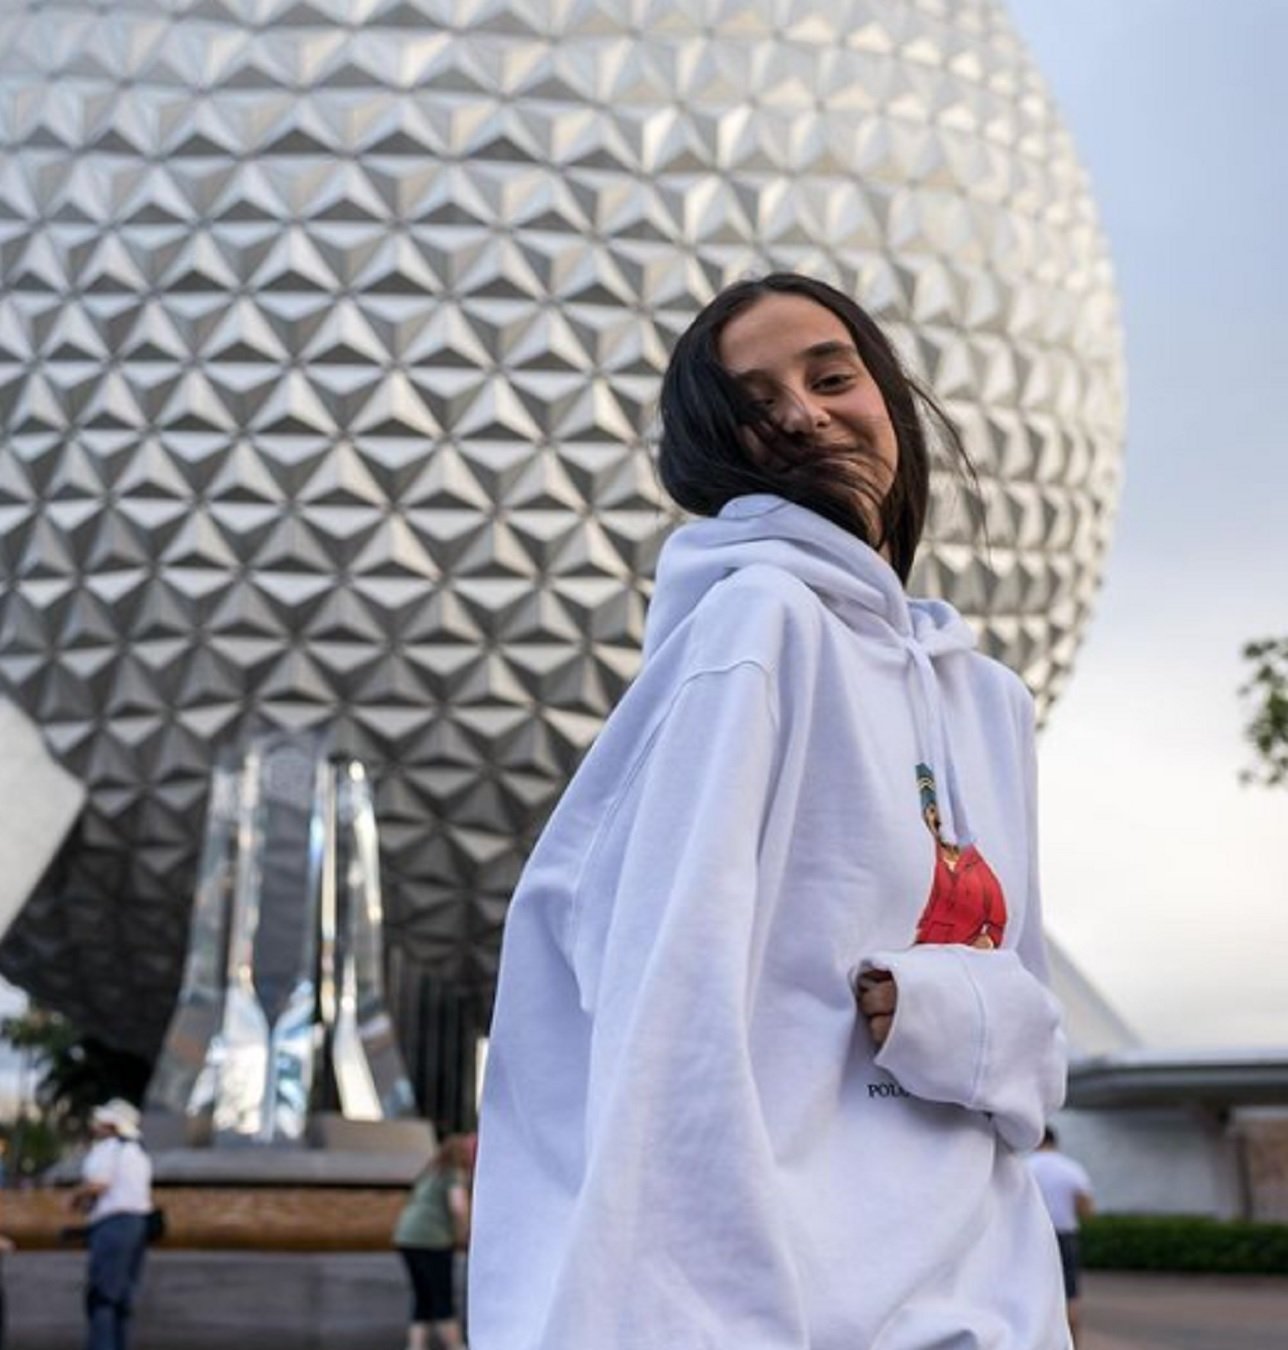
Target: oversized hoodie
(688,1138)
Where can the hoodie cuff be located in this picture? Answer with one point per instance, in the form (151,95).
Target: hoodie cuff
(935,1045)
(974,1029)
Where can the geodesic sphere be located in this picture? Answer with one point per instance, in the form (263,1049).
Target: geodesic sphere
(330,333)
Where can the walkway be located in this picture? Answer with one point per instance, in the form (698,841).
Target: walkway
(1184,1312)
(257,1300)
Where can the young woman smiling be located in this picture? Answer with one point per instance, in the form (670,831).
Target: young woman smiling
(772,1032)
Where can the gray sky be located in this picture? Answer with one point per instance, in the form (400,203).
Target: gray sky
(1162,874)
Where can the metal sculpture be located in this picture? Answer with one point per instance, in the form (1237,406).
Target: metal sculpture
(281,1011)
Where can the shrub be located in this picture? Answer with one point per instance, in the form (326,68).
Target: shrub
(1184,1242)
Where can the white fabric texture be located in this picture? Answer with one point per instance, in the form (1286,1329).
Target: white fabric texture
(1061,1181)
(124,1168)
(687,1140)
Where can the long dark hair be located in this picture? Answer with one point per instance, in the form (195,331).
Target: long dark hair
(706,416)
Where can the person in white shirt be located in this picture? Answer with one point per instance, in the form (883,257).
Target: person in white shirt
(1066,1191)
(116,1193)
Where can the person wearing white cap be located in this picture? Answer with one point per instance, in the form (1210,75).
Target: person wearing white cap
(116,1192)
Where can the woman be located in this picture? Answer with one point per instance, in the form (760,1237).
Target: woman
(434,1224)
(691,1135)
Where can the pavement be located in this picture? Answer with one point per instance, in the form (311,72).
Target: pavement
(1183,1312)
(339,1301)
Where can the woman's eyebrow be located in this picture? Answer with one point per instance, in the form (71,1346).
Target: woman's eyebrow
(832,347)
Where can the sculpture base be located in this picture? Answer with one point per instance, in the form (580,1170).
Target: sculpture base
(336,1152)
(274,1215)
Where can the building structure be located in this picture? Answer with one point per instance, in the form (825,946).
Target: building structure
(328,349)
(1170,1131)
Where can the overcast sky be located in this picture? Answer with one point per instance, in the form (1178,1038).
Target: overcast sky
(1165,879)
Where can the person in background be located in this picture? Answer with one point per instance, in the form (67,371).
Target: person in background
(1066,1190)
(116,1193)
(433,1226)
(461,1277)
(6,1246)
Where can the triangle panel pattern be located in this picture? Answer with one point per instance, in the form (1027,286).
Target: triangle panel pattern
(330,338)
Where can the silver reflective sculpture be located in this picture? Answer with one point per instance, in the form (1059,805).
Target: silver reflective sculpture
(39,804)
(330,335)
(281,1007)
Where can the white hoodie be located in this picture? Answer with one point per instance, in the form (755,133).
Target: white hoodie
(687,1139)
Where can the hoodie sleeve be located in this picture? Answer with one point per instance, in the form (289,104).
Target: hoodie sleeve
(1009,1055)
(676,1236)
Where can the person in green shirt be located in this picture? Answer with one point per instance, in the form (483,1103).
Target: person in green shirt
(433,1226)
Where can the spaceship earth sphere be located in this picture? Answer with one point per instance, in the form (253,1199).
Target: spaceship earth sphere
(330,341)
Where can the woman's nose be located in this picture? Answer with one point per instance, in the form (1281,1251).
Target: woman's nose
(799,415)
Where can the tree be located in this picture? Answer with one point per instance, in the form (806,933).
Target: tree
(74,1072)
(1266,691)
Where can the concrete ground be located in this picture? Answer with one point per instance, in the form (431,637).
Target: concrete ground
(1184,1312)
(194,1300)
(254,1300)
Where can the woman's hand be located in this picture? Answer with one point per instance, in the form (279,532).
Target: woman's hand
(878,995)
(878,998)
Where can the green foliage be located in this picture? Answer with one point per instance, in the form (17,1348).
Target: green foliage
(1267,692)
(1184,1242)
(32,1143)
(74,1072)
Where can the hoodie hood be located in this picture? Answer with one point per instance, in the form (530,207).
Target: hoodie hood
(850,578)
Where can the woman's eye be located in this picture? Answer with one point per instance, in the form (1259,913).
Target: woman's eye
(840,379)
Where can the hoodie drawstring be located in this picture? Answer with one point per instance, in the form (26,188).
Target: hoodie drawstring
(934,748)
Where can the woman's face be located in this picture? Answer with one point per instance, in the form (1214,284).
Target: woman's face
(797,359)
